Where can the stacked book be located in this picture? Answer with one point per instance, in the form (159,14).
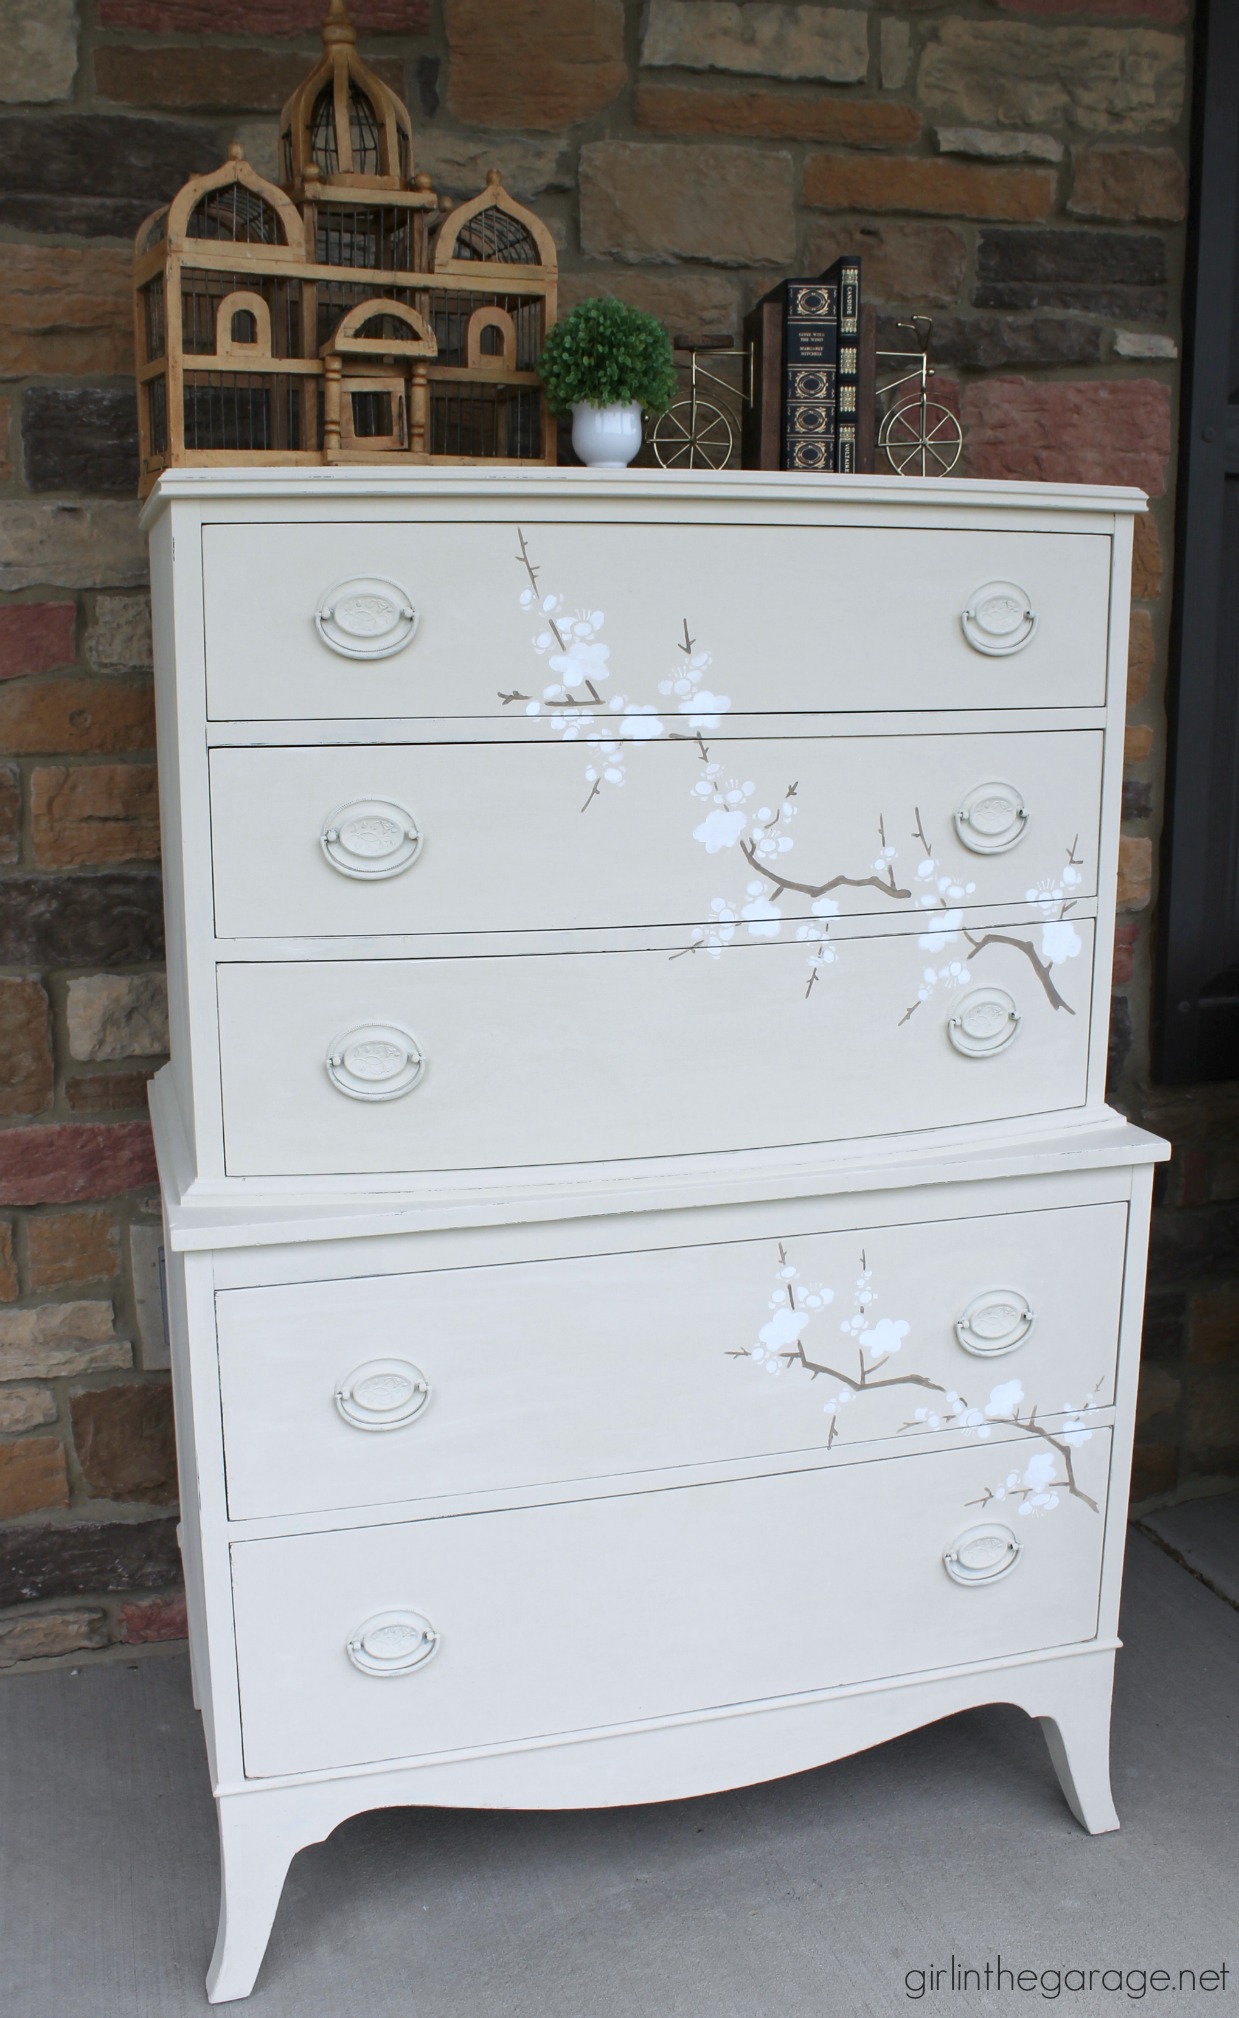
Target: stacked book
(806,338)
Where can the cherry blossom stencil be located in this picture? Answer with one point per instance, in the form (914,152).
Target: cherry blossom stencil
(1032,1487)
(727,822)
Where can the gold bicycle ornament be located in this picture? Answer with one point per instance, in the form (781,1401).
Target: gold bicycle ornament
(918,436)
(699,432)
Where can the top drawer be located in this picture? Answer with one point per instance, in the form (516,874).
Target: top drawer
(662,626)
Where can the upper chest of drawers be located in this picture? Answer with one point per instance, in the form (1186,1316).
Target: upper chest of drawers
(850,740)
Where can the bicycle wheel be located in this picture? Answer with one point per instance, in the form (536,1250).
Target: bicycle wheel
(924,439)
(693,437)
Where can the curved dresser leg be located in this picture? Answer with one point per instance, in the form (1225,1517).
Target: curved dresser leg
(1078,1735)
(257,1843)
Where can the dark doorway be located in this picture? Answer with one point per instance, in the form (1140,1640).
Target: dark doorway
(1198,1033)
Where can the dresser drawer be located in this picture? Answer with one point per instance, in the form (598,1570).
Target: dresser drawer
(451,1064)
(357,1392)
(522,1624)
(432,620)
(492,837)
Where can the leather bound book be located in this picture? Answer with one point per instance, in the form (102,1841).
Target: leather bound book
(810,370)
(761,429)
(845,275)
(867,394)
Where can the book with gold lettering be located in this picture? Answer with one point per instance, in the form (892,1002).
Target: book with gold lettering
(811,378)
(810,372)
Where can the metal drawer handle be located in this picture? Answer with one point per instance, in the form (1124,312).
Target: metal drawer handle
(376,1061)
(992,818)
(996,1321)
(999,619)
(383,1394)
(986,1022)
(982,1555)
(366,618)
(392,1643)
(370,839)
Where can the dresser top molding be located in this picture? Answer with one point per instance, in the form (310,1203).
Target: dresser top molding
(209,489)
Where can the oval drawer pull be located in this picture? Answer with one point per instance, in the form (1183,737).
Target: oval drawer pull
(996,1321)
(999,619)
(992,818)
(370,839)
(392,1643)
(366,618)
(982,1555)
(383,1394)
(376,1061)
(986,1022)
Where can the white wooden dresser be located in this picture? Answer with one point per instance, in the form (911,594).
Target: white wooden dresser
(655,1286)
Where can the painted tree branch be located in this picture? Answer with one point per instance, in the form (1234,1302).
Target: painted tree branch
(533,573)
(866,1384)
(811,890)
(1033,1428)
(1029,951)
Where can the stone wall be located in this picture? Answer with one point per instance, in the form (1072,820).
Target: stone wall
(1014,167)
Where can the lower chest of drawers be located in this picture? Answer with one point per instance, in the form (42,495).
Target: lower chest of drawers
(648,1482)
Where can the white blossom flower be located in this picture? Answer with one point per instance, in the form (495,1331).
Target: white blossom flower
(1004,1399)
(943,931)
(704,709)
(1048,896)
(783,1329)
(640,725)
(721,929)
(762,917)
(721,828)
(1038,1480)
(1059,941)
(1074,1432)
(885,1337)
(585,659)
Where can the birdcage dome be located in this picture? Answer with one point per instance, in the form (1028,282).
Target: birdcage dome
(493,230)
(232,205)
(344,120)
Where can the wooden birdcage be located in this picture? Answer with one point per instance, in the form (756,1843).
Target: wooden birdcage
(349,315)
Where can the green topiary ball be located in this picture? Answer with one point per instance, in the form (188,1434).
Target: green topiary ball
(604,353)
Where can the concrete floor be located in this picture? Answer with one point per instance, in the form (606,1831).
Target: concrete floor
(805,1898)
(1203,1534)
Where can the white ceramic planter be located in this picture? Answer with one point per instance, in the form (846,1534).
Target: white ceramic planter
(606,437)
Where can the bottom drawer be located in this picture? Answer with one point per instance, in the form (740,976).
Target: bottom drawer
(536,1058)
(371,1644)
